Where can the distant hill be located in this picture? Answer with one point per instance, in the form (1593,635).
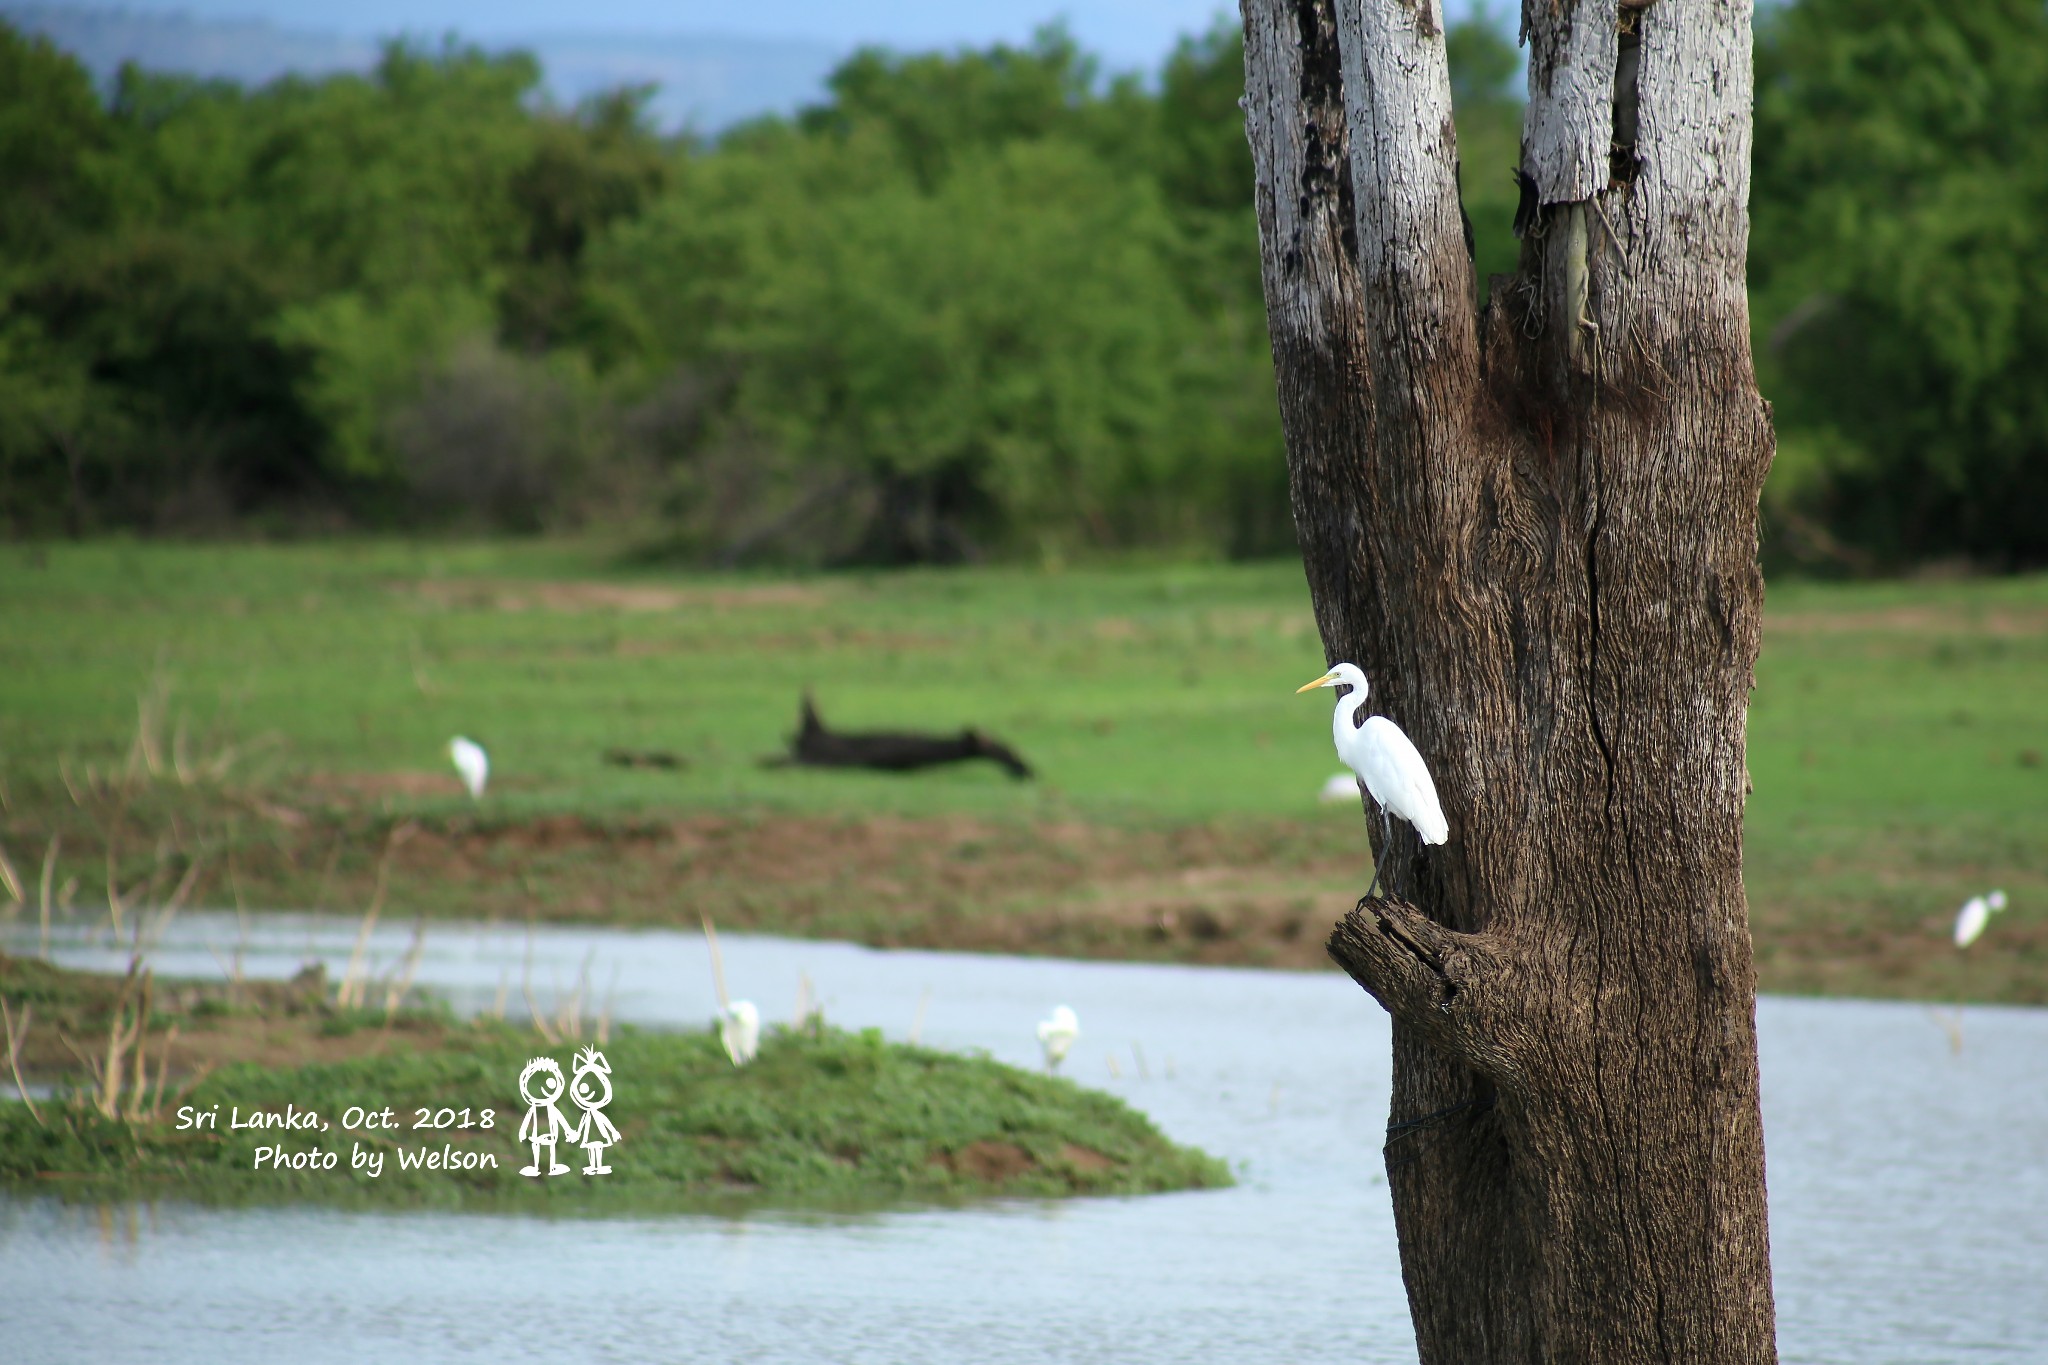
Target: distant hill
(706,82)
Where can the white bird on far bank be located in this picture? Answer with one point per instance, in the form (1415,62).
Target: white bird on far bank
(1340,787)
(739,1028)
(1975,915)
(1057,1034)
(1385,760)
(471,763)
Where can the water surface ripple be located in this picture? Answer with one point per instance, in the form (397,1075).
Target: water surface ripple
(1909,1188)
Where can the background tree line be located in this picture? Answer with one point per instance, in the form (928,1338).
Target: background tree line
(986,303)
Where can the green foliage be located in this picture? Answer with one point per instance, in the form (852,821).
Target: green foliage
(977,303)
(955,310)
(58,164)
(396,180)
(939,111)
(1485,70)
(1203,160)
(1484,64)
(218,302)
(164,385)
(960,310)
(366,356)
(905,336)
(56,145)
(582,175)
(1899,275)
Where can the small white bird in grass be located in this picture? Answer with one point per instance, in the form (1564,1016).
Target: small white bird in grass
(739,1028)
(472,763)
(1385,760)
(1340,787)
(1975,915)
(1056,1035)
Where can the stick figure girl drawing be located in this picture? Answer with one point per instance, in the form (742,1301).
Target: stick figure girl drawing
(543,1122)
(592,1091)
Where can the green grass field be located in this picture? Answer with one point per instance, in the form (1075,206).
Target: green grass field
(1896,737)
(1162,694)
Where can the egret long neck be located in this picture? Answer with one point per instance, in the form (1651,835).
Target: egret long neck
(1349,716)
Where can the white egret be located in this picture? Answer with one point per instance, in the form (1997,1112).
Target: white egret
(1056,1034)
(472,763)
(739,1028)
(1975,915)
(1340,787)
(1386,761)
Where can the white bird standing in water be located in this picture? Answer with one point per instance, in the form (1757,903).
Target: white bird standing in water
(1386,761)
(739,1028)
(1975,915)
(472,763)
(1057,1034)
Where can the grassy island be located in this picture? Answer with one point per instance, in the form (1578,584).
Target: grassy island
(413,1108)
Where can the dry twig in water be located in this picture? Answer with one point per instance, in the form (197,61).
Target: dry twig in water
(10,879)
(526,987)
(49,872)
(569,1018)
(14,1042)
(123,1033)
(396,993)
(350,992)
(717,965)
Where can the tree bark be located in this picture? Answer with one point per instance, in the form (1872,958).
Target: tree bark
(1535,529)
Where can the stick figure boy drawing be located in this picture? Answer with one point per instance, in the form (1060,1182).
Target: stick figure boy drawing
(591,1089)
(543,1122)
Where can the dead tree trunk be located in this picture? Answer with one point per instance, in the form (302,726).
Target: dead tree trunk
(1535,529)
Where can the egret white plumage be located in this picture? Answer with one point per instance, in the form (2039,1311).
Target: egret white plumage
(739,1028)
(471,763)
(1975,915)
(1056,1034)
(1385,760)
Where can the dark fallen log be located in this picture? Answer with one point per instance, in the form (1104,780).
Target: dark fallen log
(814,746)
(644,758)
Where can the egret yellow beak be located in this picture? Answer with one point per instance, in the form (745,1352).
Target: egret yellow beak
(1323,681)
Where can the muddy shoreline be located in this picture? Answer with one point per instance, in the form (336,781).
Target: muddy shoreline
(1226,892)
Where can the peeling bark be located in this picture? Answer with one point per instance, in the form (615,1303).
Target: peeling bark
(1566,124)
(1536,531)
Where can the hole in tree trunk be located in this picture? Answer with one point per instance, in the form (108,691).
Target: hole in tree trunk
(1621,157)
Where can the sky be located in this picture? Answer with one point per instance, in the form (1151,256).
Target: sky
(710,65)
(1126,33)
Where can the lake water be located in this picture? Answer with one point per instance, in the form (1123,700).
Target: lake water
(1909,1188)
